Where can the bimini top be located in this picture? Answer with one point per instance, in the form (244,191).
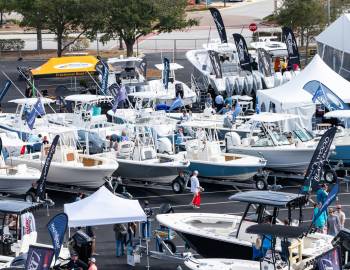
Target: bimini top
(173,66)
(31,101)
(17,207)
(117,60)
(88,98)
(66,67)
(282,231)
(271,198)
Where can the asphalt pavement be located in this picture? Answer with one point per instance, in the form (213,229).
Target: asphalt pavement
(214,200)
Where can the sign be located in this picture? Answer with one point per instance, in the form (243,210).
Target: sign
(253,27)
(39,258)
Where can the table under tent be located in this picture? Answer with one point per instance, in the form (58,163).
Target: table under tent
(105,208)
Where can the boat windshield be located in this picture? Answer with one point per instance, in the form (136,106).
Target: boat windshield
(280,138)
(302,135)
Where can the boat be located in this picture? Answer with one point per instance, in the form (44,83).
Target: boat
(128,72)
(205,155)
(155,90)
(224,236)
(342,137)
(18,179)
(293,258)
(69,166)
(138,160)
(15,122)
(282,154)
(271,44)
(87,115)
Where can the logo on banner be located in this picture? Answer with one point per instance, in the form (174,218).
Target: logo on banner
(73,65)
(57,227)
(240,50)
(290,43)
(216,17)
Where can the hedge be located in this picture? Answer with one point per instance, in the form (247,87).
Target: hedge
(11,44)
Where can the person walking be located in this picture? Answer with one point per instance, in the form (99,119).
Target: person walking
(208,101)
(321,221)
(322,194)
(146,226)
(219,102)
(92,264)
(195,189)
(341,216)
(333,223)
(120,233)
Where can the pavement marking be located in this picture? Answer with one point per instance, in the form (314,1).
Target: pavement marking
(202,204)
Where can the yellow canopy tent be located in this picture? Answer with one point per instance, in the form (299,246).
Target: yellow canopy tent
(69,66)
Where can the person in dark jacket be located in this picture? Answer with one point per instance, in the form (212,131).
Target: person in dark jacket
(76,264)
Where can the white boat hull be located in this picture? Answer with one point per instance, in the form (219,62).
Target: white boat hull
(222,264)
(19,183)
(286,159)
(71,174)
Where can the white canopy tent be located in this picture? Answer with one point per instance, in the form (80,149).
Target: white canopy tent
(292,98)
(103,208)
(333,45)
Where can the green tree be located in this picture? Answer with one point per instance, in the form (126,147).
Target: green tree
(133,19)
(64,18)
(306,17)
(33,13)
(5,6)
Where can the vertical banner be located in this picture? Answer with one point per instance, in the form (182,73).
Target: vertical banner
(292,47)
(143,67)
(215,63)
(57,227)
(315,170)
(219,24)
(264,62)
(38,109)
(166,72)
(39,258)
(3,92)
(103,69)
(242,50)
(40,191)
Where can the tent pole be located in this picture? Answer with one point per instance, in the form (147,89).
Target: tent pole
(147,249)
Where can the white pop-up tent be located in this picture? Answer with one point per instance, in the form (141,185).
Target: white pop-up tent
(333,45)
(292,98)
(103,208)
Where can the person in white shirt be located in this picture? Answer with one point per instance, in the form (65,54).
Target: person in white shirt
(341,216)
(195,189)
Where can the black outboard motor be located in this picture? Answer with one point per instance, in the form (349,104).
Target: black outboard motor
(81,244)
(179,90)
(166,208)
(342,239)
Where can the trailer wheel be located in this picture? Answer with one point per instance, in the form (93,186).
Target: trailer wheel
(329,176)
(169,244)
(260,184)
(29,197)
(177,186)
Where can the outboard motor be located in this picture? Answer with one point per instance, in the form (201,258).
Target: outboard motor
(179,90)
(164,145)
(232,139)
(81,243)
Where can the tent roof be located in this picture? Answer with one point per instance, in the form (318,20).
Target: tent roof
(16,206)
(66,66)
(336,34)
(292,94)
(103,208)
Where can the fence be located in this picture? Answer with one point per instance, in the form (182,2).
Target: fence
(28,46)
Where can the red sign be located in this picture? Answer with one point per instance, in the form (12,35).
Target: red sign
(253,27)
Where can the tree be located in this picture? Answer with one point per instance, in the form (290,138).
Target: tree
(134,19)
(33,13)
(5,6)
(306,17)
